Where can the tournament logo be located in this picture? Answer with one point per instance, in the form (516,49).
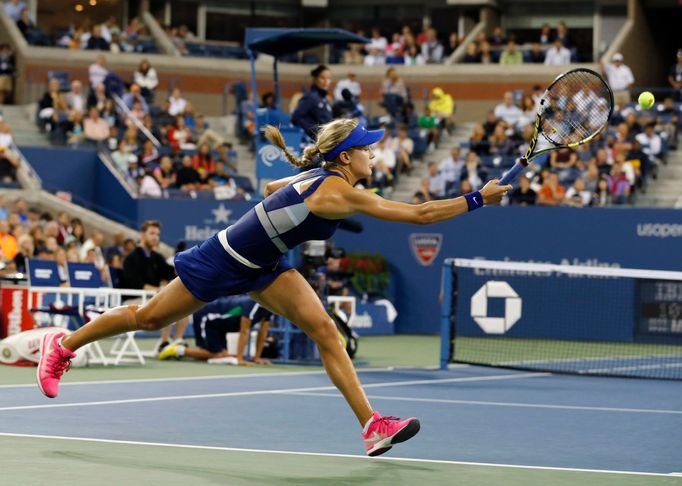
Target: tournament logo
(268,154)
(425,246)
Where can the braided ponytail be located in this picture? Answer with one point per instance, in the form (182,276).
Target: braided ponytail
(275,137)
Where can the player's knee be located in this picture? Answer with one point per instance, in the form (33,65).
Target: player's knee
(325,333)
(146,321)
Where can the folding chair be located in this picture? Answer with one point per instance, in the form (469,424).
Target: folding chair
(44,281)
(99,299)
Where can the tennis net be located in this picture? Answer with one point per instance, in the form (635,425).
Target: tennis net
(562,318)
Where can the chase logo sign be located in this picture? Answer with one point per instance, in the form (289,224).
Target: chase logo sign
(425,246)
(512,307)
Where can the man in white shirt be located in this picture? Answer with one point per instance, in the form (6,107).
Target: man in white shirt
(97,72)
(650,142)
(620,79)
(557,55)
(351,84)
(508,111)
(75,98)
(451,168)
(178,104)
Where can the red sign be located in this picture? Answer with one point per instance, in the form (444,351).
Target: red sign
(15,310)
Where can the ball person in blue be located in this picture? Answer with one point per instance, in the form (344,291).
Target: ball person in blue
(249,257)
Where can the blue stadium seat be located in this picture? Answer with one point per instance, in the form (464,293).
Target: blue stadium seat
(395,60)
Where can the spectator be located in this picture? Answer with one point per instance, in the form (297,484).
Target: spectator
(486,55)
(511,55)
(591,177)
(149,155)
(428,127)
(346,108)
(413,56)
(8,243)
(471,54)
(499,142)
(31,33)
(545,35)
(351,84)
(563,163)
(188,178)
(407,117)
(7,70)
(508,111)
(145,77)
(122,156)
(132,139)
(577,195)
(385,156)
(650,142)
(535,55)
(497,39)
(640,162)
(203,162)
(179,136)
(551,193)
(14,8)
(165,173)
(527,112)
(443,108)
(26,250)
(147,186)
(9,163)
(452,44)
(96,42)
(473,172)
(562,34)
(95,243)
(227,156)
(97,97)
(178,104)
(619,186)
(478,142)
(432,49)
(395,47)
(48,103)
(557,55)
(433,186)
(313,108)
(621,80)
(403,146)
(97,71)
(220,177)
(376,49)
(75,98)
(353,55)
(602,196)
(523,195)
(95,128)
(135,95)
(394,92)
(674,78)
(451,169)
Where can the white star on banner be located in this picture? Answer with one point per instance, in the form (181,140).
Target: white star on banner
(221,214)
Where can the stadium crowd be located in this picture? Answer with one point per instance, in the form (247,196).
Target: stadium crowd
(611,170)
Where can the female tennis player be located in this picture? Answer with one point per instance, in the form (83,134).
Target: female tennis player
(249,257)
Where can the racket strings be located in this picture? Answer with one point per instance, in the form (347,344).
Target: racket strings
(576,107)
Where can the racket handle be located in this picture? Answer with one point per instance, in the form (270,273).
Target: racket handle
(520,164)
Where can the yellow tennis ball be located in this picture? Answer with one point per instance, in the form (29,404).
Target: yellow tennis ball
(646,100)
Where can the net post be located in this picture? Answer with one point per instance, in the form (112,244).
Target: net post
(446,304)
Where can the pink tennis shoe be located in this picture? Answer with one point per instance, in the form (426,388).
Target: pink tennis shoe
(384,432)
(54,361)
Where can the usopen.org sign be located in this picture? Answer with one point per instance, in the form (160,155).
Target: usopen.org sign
(659,230)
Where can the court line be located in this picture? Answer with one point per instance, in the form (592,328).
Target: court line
(274,392)
(325,454)
(206,377)
(504,404)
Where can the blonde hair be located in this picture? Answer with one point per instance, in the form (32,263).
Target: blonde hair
(328,137)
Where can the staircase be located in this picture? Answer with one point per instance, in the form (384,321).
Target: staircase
(224,126)
(24,129)
(408,185)
(666,190)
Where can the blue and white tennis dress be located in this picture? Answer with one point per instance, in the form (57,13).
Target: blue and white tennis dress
(251,253)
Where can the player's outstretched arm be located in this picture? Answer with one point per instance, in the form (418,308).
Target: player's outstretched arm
(335,199)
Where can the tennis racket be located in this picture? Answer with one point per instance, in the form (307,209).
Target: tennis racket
(574,109)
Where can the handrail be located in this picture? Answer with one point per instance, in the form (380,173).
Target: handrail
(123,107)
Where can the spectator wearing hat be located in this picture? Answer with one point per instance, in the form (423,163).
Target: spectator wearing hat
(674,78)
(620,79)
(351,84)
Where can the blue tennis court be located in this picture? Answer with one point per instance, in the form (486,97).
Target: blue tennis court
(489,425)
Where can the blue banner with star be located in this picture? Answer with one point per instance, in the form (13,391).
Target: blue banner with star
(191,220)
